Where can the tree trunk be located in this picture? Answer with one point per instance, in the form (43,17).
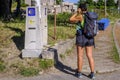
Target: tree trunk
(5,9)
(118,5)
(2,7)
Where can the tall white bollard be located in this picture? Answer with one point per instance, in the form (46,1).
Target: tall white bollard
(36,33)
(33,46)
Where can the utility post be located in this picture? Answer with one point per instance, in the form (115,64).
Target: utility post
(55,20)
(118,6)
(61,5)
(105,8)
(55,23)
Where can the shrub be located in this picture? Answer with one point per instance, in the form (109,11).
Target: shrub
(62,18)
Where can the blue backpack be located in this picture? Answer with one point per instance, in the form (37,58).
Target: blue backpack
(90,24)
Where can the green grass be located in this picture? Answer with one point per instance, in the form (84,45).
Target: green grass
(67,53)
(29,71)
(114,52)
(31,67)
(2,66)
(45,63)
(62,33)
(62,56)
(17,28)
(115,55)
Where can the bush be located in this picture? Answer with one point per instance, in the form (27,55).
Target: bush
(62,18)
(50,20)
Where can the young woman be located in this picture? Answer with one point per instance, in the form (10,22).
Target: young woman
(82,41)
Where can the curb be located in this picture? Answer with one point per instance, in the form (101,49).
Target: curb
(59,48)
(102,70)
(107,71)
(115,40)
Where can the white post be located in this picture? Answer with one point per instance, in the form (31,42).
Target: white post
(32,48)
(43,21)
(33,33)
(105,9)
(36,29)
(38,4)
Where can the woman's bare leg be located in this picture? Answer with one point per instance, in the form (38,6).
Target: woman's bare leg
(80,52)
(90,57)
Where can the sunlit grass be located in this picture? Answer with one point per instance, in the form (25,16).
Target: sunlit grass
(62,33)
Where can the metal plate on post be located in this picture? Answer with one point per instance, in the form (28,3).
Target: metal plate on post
(31,11)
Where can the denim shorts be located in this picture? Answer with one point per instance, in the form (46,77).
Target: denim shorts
(82,40)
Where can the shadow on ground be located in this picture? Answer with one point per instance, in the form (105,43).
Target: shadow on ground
(62,67)
(59,65)
(18,40)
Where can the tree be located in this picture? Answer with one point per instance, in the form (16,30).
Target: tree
(81,1)
(59,1)
(100,4)
(90,2)
(5,9)
(95,3)
(2,8)
(110,3)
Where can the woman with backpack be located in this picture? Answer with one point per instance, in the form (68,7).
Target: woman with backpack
(82,41)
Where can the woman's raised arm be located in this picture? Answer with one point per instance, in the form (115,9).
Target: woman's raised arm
(75,17)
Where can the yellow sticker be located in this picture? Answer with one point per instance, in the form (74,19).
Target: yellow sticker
(31,21)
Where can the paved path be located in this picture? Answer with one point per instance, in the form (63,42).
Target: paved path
(103,63)
(63,76)
(102,52)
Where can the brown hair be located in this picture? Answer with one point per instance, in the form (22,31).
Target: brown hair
(83,6)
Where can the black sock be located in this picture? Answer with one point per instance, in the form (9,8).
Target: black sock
(78,71)
(92,72)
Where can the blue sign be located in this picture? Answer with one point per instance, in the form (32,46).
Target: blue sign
(31,11)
